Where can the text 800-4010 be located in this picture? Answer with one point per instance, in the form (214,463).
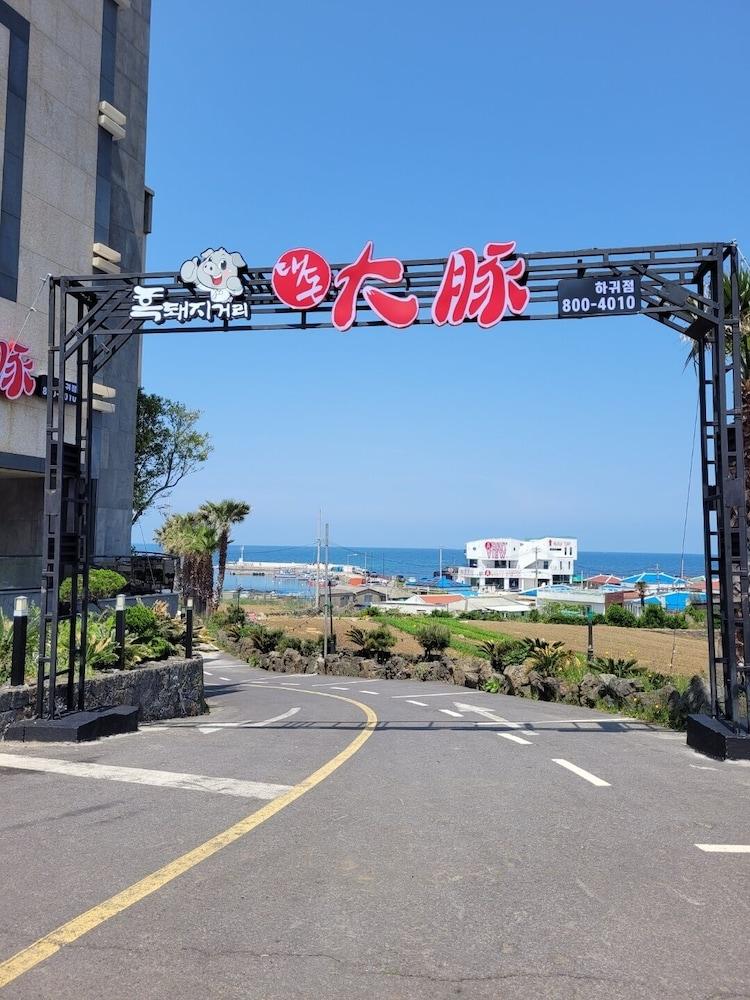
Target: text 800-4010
(605,303)
(598,296)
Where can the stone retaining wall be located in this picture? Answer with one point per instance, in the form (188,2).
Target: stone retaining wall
(171,689)
(595,690)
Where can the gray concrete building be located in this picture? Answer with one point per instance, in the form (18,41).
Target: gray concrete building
(73,91)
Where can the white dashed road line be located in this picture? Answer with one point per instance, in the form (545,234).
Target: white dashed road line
(422,704)
(218,726)
(334,688)
(724,848)
(586,775)
(515,739)
(226,679)
(444,694)
(207,673)
(367,692)
(142,776)
(447,711)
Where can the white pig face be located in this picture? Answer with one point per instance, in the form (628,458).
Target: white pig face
(216,272)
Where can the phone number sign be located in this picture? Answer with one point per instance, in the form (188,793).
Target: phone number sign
(598,296)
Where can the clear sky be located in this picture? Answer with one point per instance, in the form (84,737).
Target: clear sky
(427,125)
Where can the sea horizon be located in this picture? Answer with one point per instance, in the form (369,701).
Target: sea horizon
(424,562)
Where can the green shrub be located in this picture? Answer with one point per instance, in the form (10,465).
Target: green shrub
(440,613)
(141,622)
(504,653)
(289,642)
(103,583)
(264,640)
(372,611)
(616,614)
(492,685)
(380,641)
(598,619)
(533,616)
(618,666)
(159,648)
(310,647)
(433,638)
(548,657)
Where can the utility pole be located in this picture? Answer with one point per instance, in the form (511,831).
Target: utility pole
(317,565)
(440,573)
(328,598)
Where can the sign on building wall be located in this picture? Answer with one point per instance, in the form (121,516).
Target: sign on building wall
(496,550)
(16,367)
(481,289)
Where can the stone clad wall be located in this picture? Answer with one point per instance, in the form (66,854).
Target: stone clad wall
(169,690)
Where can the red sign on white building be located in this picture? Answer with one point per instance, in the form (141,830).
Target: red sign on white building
(16,368)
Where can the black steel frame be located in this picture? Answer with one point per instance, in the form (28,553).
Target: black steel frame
(682,287)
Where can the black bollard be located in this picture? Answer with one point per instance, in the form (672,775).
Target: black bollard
(120,630)
(20,629)
(189,628)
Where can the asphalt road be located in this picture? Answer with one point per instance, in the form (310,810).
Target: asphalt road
(445,854)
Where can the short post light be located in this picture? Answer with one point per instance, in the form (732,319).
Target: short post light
(120,630)
(20,630)
(189,628)
(590,646)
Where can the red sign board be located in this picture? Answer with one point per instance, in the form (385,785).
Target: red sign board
(16,367)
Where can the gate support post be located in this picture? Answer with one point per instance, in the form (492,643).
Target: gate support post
(726,733)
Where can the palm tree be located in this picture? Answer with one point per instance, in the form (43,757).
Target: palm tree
(222,515)
(194,540)
(641,588)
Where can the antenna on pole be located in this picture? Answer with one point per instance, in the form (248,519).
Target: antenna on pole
(328,609)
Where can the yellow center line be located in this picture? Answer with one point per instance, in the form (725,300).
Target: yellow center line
(51,943)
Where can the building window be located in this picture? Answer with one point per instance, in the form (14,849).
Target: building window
(513,583)
(473,563)
(15,133)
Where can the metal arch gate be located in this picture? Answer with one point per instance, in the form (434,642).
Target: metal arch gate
(682,286)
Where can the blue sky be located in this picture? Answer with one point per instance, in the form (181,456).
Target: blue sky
(426,126)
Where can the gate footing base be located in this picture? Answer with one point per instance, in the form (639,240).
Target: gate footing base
(76,727)
(715,739)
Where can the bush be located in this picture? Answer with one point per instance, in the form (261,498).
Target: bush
(372,611)
(289,642)
(309,647)
(548,657)
(379,642)
(142,622)
(533,616)
(102,583)
(598,619)
(433,638)
(616,614)
(159,648)
(619,667)
(504,653)
(263,639)
(440,613)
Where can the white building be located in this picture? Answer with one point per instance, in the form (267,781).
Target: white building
(516,564)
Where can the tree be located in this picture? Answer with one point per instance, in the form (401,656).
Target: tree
(433,638)
(168,447)
(222,515)
(641,588)
(194,540)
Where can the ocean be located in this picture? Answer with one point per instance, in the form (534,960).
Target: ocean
(420,563)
